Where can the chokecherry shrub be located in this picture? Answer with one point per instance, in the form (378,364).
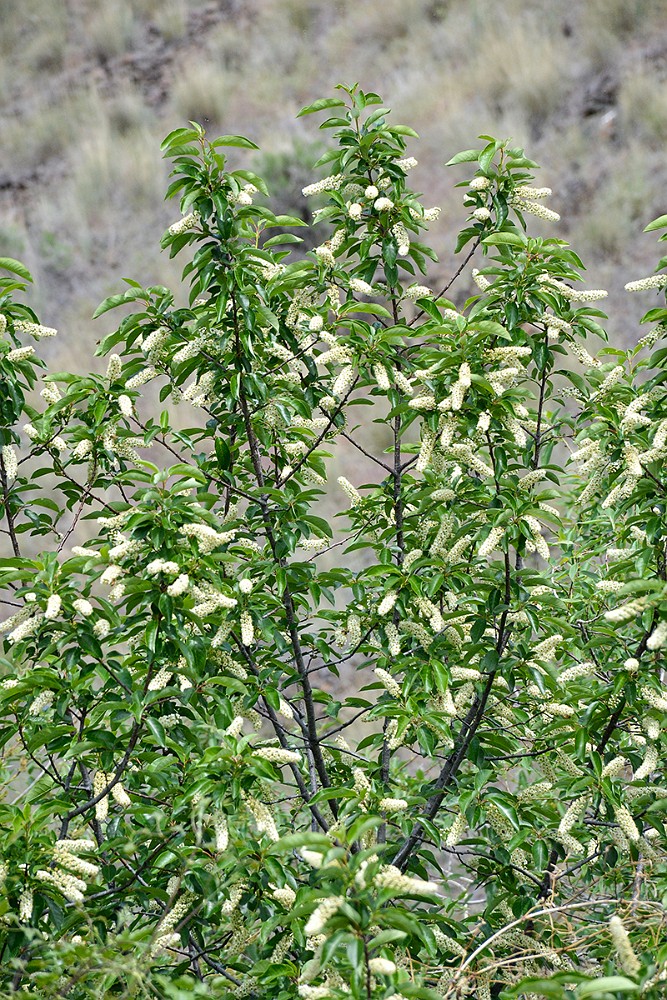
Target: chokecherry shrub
(270,732)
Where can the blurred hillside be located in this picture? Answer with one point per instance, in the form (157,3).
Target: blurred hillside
(89,89)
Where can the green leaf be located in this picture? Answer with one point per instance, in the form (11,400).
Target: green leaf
(465,156)
(321,105)
(16,267)
(511,239)
(404,130)
(659,223)
(113,301)
(365,307)
(234,140)
(607,984)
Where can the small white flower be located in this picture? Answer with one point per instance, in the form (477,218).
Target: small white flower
(371,192)
(245,586)
(383,204)
(83,606)
(355,210)
(480,183)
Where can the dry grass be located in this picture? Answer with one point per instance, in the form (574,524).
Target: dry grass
(111,28)
(643,110)
(452,70)
(201,93)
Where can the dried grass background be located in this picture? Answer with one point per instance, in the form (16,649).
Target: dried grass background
(89,89)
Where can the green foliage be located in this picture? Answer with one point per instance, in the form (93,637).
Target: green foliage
(413,750)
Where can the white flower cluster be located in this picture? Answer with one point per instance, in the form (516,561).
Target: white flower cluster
(644,284)
(400,233)
(491,542)
(263,818)
(42,701)
(415,292)
(658,637)
(387,603)
(208,539)
(277,755)
(480,183)
(343,382)
(480,280)
(456,830)
(576,672)
(626,823)
(573,294)
(247,629)
(165,566)
(284,895)
(184,224)
(360,286)
(164,932)
(34,330)
(614,768)
(333,183)
(180,585)
(528,199)
(353,495)
(626,612)
(388,682)
(539,543)
(392,878)
(143,376)
(546,649)
(10,463)
(481,214)
(66,858)
(19,354)
(391,805)
(626,955)
(322,914)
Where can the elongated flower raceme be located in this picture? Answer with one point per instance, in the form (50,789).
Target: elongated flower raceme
(645,284)
(573,294)
(277,755)
(332,183)
(183,225)
(10,463)
(621,941)
(391,878)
